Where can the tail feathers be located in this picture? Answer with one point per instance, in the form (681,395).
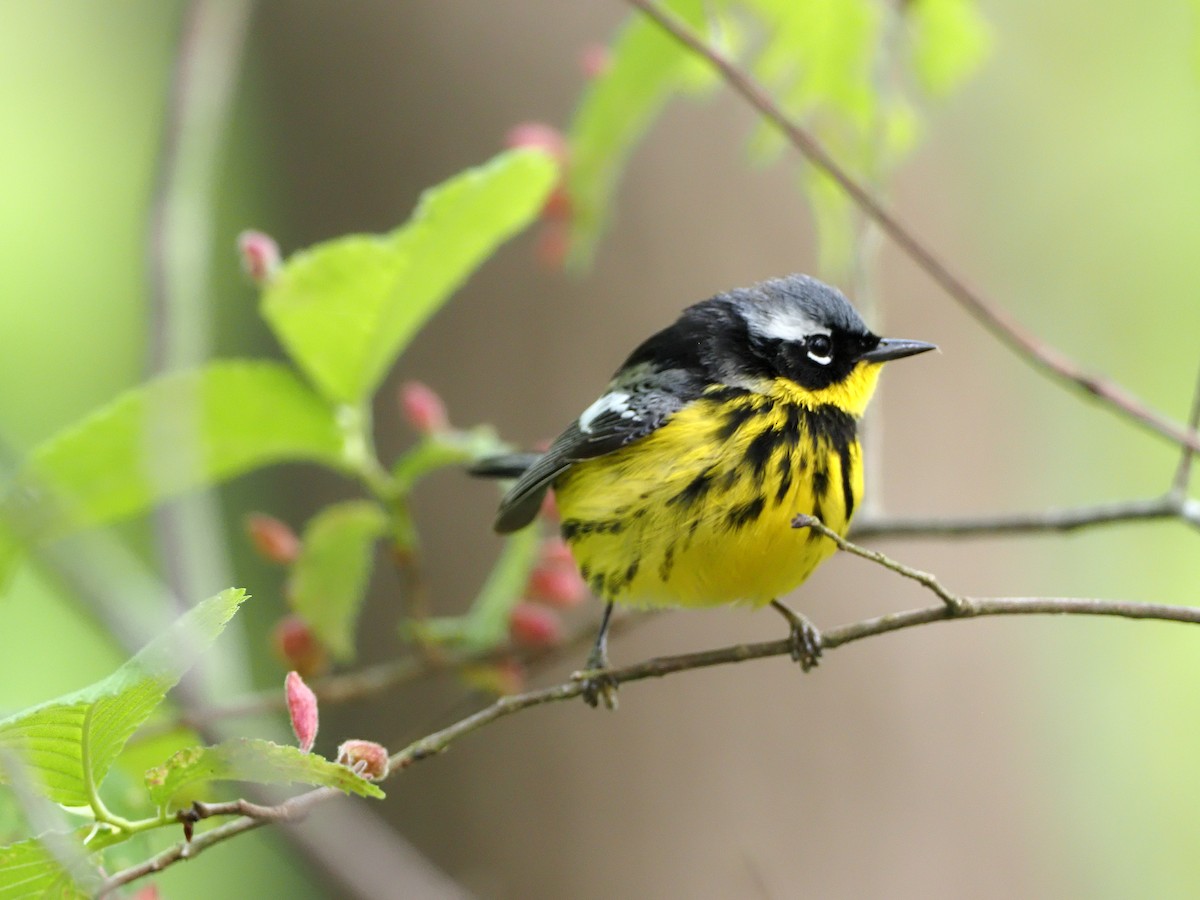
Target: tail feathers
(508,465)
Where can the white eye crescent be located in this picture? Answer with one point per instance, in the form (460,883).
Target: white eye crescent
(820,349)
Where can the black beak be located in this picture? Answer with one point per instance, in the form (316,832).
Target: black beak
(895,348)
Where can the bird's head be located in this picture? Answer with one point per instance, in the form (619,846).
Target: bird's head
(801,336)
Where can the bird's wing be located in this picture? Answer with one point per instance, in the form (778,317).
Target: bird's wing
(629,410)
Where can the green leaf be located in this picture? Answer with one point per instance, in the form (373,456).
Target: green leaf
(345,309)
(69,743)
(450,448)
(30,870)
(254,760)
(485,626)
(950,40)
(165,437)
(647,68)
(329,580)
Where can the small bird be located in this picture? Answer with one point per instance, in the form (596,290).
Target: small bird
(678,486)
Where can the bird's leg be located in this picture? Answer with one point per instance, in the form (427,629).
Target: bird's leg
(600,687)
(805,639)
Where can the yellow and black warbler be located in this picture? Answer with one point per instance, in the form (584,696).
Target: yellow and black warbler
(678,486)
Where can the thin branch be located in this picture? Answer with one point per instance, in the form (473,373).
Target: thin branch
(659,667)
(1170,506)
(251,816)
(956,604)
(999,322)
(1183,474)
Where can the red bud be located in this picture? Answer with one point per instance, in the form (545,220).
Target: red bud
(367,758)
(532,625)
(539,134)
(552,245)
(302,708)
(423,408)
(274,539)
(594,60)
(260,256)
(296,645)
(550,507)
(558,586)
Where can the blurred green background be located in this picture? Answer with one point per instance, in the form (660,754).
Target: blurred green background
(1028,757)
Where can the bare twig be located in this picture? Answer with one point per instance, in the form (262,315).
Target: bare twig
(435,743)
(1183,474)
(1171,506)
(251,816)
(999,322)
(956,604)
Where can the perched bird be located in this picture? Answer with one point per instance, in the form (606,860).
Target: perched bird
(678,486)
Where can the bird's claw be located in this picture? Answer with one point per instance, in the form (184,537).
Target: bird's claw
(805,643)
(598,688)
(804,640)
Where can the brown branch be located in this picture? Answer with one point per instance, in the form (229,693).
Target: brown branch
(251,816)
(1170,506)
(956,604)
(998,321)
(1183,474)
(659,667)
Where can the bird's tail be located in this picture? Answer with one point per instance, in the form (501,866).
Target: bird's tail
(507,465)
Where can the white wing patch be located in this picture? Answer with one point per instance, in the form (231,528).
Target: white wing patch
(612,402)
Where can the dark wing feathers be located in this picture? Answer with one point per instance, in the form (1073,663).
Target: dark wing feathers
(642,413)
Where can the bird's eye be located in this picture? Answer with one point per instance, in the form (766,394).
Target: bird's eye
(820,349)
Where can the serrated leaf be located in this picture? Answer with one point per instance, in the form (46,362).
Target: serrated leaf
(329,579)
(345,309)
(168,436)
(253,760)
(646,68)
(71,741)
(950,40)
(29,870)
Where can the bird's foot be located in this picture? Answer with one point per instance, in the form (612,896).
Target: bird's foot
(804,638)
(598,686)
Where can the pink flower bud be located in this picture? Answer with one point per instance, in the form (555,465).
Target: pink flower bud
(594,60)
(296,645)
(302,708)
(549,509)
(541,135)
(557,586)
(423,408)
(260,256)
(558,204)
(274,540)
(149,892)
(367,758)
(555,552)
(531,625)
(552,245)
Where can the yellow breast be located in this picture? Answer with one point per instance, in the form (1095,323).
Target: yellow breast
(699,512)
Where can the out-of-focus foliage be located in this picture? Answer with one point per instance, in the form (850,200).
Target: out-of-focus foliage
(841,67)
(329,581)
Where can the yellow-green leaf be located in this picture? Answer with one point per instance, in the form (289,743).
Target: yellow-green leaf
(253,760)
(329,580)
(167,436)
(345,309)
(69,743)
